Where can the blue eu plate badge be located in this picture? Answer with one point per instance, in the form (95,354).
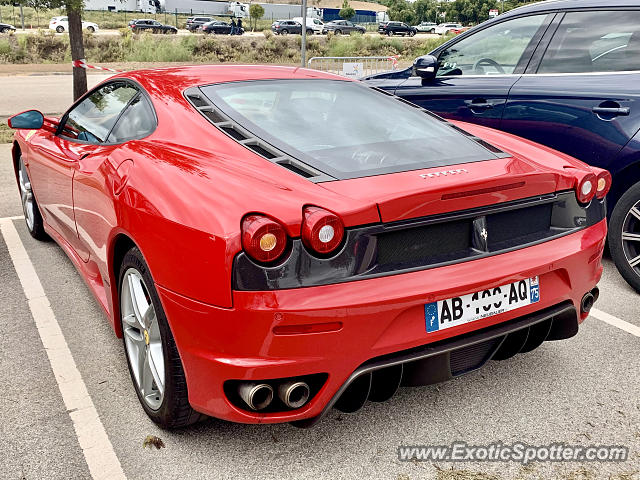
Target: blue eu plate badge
(431,316)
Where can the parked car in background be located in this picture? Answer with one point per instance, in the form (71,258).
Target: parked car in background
(342,26)
(564,74)
(285,27)
(396,28)
(6,28)
(220,28)
(196,23)
(445,28)
(426,27)
(61,25)
(458,31)
(149,25)
(314,24)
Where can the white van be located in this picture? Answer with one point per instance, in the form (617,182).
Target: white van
(314,24)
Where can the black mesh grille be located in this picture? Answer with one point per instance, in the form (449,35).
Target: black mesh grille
(520,226)
(453,240)
(430,244)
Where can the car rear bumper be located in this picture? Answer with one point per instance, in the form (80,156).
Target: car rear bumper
(379,317)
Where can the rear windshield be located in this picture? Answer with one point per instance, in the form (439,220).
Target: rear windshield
(343,128)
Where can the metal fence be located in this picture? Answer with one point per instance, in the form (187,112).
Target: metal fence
(354,67)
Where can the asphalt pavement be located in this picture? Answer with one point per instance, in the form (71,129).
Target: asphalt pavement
(581,391)
(51,94)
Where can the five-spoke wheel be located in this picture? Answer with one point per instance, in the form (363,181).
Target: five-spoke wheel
(32,216)
(624,236)
(142,339)
(154,362)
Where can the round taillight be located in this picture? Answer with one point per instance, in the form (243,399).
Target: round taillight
(322,231)
(586,188)
(603,184)
(263,239)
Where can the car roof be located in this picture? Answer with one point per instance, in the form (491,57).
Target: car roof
(552,5)
(172,81)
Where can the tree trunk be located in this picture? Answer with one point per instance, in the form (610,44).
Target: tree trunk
(77,51)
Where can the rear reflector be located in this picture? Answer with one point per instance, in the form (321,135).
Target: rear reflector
(308,328)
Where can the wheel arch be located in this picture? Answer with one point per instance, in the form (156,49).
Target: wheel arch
(16,152)
(624,179)
(120,244)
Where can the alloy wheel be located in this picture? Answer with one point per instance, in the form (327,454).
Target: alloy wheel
(26,196)
(631,237)
(143,341)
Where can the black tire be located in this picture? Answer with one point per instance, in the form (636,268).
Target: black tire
(60,29)
(175,410)
(338,32)
(622,219)
(284,31)
(91,29)
(433,30)
(309,32)
(412,33)
(36,229)
(389,33)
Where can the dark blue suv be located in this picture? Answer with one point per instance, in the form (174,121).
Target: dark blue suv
(564,73)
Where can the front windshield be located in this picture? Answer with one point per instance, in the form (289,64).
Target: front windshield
(343,128)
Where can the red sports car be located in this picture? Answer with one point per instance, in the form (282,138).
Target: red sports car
(272,242)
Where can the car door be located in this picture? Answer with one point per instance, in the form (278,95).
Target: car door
(56,158)
(581,94)
(102,175)
(476,72)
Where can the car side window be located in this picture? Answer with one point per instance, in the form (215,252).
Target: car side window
(93,118)
(137,121)
(602,41)
(494,50)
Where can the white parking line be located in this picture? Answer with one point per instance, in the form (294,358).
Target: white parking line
(92,437)
(615,321)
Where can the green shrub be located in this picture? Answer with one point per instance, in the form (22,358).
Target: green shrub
(45,47)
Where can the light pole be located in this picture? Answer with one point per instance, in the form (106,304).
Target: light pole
(303,50)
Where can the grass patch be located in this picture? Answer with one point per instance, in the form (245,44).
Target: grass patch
(45,47)
(6,133)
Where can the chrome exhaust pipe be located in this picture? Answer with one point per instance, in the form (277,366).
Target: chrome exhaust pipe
(257,396)
(294,394)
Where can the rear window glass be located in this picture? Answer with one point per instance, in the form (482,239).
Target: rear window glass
(343,128)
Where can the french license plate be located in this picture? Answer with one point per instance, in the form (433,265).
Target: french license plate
(475,306)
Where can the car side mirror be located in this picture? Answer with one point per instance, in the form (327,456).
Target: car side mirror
(426,67)
(30,120)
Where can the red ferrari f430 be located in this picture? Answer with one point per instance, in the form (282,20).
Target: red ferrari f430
(273,242)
